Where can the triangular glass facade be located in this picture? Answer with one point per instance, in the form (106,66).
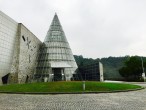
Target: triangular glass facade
(55,61)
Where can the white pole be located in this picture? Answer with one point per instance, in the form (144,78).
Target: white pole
(143,74)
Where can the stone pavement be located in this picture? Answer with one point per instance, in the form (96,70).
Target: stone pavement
(134,100)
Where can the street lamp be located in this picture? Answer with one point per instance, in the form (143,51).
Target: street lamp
(143,73)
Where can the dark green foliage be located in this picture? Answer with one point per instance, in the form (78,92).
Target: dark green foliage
(132,70)
(84,61)
(111,66)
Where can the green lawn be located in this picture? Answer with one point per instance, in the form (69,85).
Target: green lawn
(71,86)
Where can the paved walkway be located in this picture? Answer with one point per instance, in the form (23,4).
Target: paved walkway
(135,100)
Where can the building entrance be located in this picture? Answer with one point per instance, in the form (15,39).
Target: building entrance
(58,74)
(27,79)
(5,79)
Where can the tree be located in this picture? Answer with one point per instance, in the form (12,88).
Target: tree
(133,69)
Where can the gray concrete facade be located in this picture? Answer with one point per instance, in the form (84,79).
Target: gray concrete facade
(8,36)
(18,51)
(27,49)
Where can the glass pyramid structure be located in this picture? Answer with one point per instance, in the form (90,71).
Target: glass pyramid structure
(55,61)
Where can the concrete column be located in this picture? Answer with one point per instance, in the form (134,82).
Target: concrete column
(101,72)
(1,83)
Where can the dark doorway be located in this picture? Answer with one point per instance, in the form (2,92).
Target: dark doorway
(5,79)
(57,74)
(27,79)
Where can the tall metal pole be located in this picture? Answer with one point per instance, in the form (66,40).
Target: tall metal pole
(143,73)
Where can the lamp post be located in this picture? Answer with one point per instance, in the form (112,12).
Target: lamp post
(143,73)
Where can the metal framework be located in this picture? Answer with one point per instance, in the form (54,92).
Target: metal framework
(55,61)
(90,72)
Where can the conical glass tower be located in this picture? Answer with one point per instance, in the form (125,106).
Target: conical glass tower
(55,61)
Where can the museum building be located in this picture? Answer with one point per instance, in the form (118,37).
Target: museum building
(24,58)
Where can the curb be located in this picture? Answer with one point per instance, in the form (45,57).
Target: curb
(57,93)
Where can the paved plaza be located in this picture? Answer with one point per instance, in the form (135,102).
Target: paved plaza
(134,100)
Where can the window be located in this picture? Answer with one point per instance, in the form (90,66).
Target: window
(23,38)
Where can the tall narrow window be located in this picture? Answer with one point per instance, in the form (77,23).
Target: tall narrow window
(23,38)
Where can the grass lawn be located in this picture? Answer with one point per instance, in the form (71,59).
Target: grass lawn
(71,86)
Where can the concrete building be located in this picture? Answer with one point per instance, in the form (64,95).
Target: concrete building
(23,55)
(18,51)
(56,61)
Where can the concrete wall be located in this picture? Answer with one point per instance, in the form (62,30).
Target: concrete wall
(25,55)
(18,51)
(29,47)
(8,35)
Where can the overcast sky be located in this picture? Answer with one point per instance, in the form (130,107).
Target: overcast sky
(94,28)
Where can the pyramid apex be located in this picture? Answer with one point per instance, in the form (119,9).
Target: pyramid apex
(55,26)
(55,16)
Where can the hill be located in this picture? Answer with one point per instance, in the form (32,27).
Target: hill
(111,66)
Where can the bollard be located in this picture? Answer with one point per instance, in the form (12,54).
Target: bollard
(84,87)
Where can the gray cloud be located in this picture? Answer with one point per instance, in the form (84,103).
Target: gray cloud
(94,28)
